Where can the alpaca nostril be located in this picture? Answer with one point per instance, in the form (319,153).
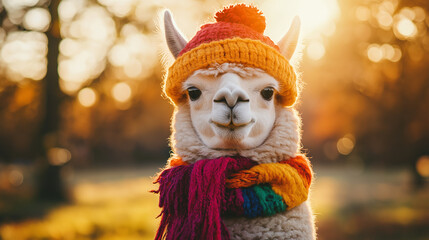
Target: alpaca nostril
(220,100)
(227,102)
(240,99)
(231,96)
(231,104)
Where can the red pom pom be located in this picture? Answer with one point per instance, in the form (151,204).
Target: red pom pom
(243,14)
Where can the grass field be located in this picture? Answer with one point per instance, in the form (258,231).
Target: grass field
(117,204)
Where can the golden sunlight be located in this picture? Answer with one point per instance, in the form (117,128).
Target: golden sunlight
(362,13)
(315,50)
(317,16)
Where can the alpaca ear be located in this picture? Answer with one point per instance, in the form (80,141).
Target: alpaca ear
(289,42)
(175,40)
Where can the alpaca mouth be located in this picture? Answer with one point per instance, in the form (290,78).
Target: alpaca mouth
(231,126)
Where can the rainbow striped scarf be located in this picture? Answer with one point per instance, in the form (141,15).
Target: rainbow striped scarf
(194,197)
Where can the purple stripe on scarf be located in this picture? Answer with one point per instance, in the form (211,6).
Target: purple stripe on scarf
(194,197)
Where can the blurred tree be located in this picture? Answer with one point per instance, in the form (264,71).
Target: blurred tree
(401,135)
(372,88)
(82,78)
(22,64)
(21,22)
(51,184)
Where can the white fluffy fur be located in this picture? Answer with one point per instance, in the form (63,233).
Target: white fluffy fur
(295,224)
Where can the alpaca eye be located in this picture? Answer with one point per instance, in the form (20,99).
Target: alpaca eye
(194,93)
(267,93)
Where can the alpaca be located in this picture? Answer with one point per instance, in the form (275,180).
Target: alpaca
(226,106)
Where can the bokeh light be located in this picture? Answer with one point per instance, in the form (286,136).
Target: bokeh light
(388,51)
(422,166)
(132,52)
(19,4)
(315,50)
(119,9)
(37,19)
(87,97)
(69,47)
(16,177)
(346,144)
(384,19)
(58,156)
(121,92)
(375,54)
(362,13)
(408,13)
(68,9)
(118,55)
(24,55)
(397,54)
(406,28)
(419,13)
(87,39)
(133,68)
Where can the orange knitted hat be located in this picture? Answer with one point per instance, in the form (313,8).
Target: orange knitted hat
(236,37)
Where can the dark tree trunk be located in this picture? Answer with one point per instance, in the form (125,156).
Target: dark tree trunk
(51,184)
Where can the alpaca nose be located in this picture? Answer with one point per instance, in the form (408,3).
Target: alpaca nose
(231,97)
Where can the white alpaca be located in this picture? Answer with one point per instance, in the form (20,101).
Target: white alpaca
(232,110)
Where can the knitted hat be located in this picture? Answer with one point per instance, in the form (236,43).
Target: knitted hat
(236,37)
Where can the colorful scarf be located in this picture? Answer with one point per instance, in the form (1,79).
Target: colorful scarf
(194,197)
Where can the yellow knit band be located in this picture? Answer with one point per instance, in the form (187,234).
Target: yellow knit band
(251,53)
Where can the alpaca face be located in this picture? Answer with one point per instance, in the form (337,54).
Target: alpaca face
(229,106)
(232,107)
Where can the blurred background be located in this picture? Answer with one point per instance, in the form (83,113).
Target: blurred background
(83,125)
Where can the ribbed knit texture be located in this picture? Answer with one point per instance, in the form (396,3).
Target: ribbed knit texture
(244,51)
(194,197)
(236,37)
(223,30)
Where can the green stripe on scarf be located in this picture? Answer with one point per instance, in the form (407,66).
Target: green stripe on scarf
(271,202)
